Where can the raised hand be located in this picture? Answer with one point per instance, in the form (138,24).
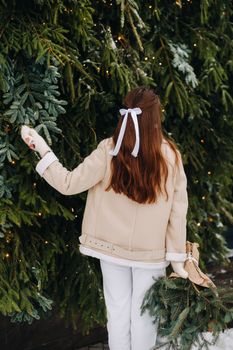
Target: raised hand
(34,140)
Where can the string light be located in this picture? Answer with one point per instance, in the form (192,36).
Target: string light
(7,255)
(203,197)
(195,44)
(202,141)
(209,173)
(160,63)
(146,58)
(46,242)
(178,2)
(13,162)
(39,214)
(198,224)
(119,37)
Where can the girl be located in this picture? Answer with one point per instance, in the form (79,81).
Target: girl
(135,214)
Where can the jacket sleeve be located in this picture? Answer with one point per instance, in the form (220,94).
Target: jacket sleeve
(176,229)
(84,176)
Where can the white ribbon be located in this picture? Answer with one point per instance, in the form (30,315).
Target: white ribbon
(134,112)
(190,257)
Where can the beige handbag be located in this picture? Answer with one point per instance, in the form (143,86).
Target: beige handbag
(191,266)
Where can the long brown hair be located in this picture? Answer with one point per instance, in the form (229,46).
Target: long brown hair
(140,178)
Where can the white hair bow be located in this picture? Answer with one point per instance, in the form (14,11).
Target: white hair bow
(134,112)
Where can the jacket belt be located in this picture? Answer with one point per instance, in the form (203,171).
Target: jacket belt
(119,251)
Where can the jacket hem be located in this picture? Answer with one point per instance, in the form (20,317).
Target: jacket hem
(116,250)
(125,262)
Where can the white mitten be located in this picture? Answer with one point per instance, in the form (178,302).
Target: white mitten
(178,267)
(34,140)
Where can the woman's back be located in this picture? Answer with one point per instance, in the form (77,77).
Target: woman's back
(118,220)
(130,229)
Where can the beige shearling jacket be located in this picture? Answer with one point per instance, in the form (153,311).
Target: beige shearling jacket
(115,225)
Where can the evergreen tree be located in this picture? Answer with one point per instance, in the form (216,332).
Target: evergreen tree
(64,69)
(185,311)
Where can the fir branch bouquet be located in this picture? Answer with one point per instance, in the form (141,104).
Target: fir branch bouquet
(185,310)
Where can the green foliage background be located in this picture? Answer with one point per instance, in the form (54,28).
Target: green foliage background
(64,69)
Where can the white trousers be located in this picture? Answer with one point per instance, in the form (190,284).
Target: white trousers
(124,289)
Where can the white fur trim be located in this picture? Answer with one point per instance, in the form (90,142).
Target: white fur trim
(91,252)
(176,256)
(45,162)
